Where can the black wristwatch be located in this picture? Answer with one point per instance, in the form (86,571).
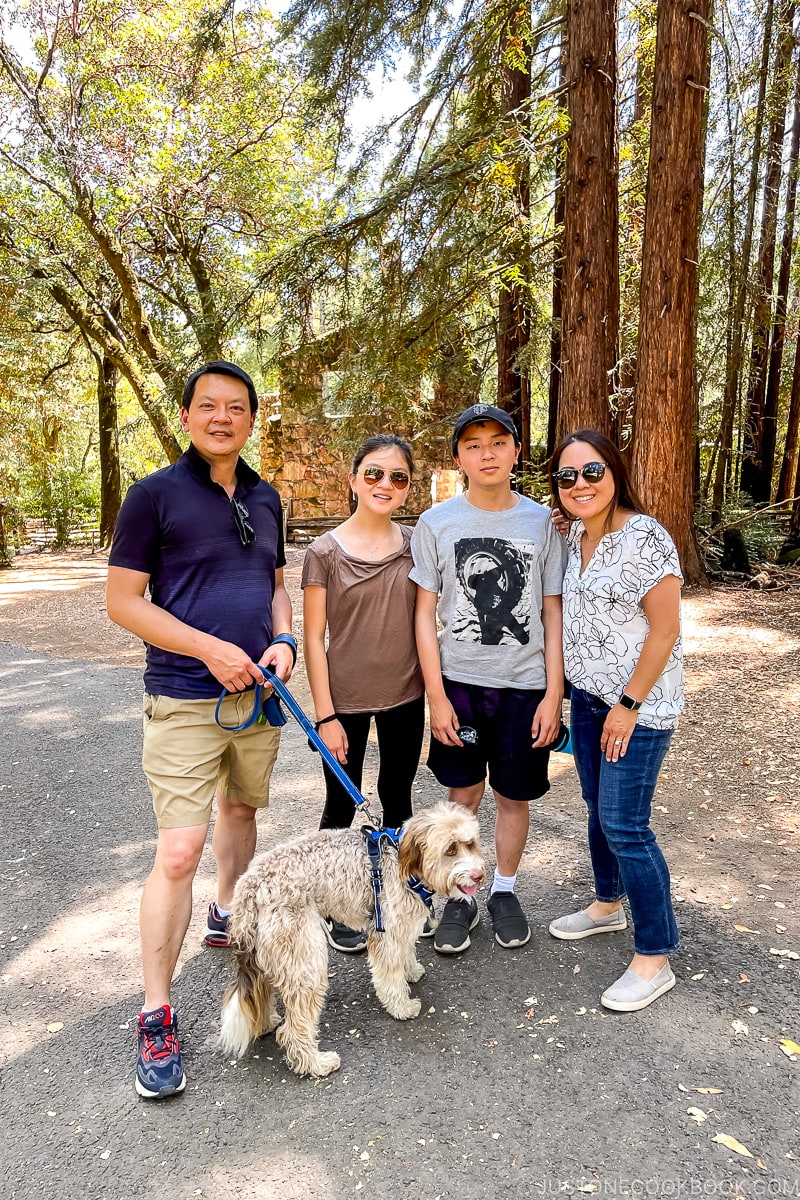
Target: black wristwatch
(628,702)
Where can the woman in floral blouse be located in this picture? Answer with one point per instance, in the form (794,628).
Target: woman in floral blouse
(622,655)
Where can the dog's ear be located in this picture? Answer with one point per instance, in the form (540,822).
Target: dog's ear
(412,843)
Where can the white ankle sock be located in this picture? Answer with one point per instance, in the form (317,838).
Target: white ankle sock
(502,883)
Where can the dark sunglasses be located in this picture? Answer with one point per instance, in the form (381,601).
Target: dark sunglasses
(398,479)
(567,477)
(241,519)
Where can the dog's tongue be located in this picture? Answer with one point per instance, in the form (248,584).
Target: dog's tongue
(469,889)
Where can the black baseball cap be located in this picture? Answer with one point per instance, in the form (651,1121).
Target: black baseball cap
(480,413)
(220,368)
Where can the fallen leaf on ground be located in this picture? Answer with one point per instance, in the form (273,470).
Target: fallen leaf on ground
(740,1027)
(789,1047)
(697,1115)
(55,1026)
(784,953)
(746,929)
(725,1139)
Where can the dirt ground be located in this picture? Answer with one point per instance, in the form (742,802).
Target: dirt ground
(514,1082)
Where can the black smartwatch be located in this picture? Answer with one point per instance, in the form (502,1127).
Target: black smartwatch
(628,702)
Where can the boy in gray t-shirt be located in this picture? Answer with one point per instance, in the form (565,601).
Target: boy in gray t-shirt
(489,565)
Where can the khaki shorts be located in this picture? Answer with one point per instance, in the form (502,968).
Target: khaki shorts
(187,758)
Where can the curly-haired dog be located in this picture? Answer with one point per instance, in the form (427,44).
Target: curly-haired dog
(279,939)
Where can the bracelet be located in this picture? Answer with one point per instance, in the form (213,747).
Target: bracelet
(286,639)
(325,721)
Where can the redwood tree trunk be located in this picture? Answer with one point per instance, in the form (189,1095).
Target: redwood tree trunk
(590,324)
(514,321)
(754,480)
(664,439)
(770,429)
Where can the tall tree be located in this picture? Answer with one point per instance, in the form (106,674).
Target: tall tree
(514,319)
(772,396)
(754,480)
(790,457)
(664,436)
(175,166)
(590,317)
(739,270)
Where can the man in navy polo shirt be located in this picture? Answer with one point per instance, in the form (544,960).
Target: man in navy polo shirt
(205,536)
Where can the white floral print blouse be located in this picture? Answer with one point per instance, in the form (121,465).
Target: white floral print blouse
(604,623)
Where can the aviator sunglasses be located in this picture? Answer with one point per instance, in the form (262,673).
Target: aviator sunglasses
(567,477)
(241,519)
(398,479)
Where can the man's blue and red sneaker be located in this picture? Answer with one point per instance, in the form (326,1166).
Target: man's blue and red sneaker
(159,1069)
(216,927)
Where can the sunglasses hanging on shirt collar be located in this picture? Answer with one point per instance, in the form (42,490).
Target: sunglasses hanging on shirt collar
(241,519)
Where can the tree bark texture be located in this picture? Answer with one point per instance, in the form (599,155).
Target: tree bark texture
(590,323)
(110,482)
(663,447)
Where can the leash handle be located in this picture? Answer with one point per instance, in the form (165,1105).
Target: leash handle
(254,715)
(316,741)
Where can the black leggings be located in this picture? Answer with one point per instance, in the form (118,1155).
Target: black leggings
(400,733)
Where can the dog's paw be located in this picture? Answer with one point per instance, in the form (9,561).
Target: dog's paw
(325,1064)
(415,973)
(406,1011)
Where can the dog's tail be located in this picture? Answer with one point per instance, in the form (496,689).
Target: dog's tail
(247,1006)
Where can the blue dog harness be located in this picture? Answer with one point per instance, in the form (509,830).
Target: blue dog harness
(374,841)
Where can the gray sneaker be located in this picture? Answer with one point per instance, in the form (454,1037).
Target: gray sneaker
(631,992)
(579,925)
(452,932)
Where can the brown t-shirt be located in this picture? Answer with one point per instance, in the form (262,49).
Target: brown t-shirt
(372,654)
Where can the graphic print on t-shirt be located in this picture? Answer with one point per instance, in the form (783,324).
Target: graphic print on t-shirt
(493,593)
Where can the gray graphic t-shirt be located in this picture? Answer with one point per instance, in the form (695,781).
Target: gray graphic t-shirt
(491,571)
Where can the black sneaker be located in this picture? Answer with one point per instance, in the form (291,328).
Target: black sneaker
(342,937)
(216,927)
(508,920)
(452,932)
(428,930)
(159,1069)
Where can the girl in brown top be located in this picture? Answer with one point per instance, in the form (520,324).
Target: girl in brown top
(355,585)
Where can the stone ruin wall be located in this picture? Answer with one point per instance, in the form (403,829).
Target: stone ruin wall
(297,455)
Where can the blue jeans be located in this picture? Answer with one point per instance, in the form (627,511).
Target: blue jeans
(626,859)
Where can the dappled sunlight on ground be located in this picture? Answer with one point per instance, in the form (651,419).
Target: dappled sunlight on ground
(60,575)
(293,1177)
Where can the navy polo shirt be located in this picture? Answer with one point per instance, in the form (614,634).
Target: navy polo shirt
(177,526)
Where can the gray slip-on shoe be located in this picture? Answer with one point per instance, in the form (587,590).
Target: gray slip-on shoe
(631,992)
(579,925)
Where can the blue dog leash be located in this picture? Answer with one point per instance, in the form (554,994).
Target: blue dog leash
(375,838)
(269,711)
